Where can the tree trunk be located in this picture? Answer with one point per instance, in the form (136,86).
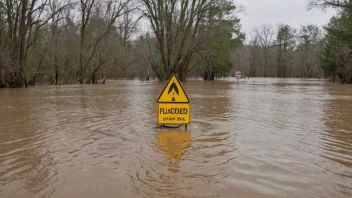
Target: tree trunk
(80,76)
(56,70)
(265,64)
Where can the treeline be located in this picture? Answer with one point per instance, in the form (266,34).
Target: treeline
(65,41)
(89,41)
(308,52)
(282,51)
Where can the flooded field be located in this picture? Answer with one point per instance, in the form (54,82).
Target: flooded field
(261,138)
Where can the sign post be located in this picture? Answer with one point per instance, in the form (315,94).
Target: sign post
(173,104)
(238,76)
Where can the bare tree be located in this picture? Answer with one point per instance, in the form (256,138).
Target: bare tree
(113,10)
(265,34)
(55,31)
(309,38)
(128,23)
(25,19)
(86,11)
(176,25)
(328,3)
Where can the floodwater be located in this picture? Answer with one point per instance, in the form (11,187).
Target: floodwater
(261,138)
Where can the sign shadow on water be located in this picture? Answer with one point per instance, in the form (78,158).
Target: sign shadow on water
(174,143)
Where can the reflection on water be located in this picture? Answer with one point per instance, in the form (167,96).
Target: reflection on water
(336,140)
(174,144)
(260,138)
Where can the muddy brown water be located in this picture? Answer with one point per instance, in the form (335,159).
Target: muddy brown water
(262,138)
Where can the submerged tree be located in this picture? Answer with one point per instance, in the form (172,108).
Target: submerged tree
(41,40)
(182,30)
(264,35)
(338,48)
(222,31)
(22,26)
(285,43)
(110,10)
(337,57)
(309,46)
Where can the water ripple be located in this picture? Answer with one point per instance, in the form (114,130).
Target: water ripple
(261,138)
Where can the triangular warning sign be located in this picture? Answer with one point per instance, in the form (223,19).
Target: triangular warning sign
(173,92)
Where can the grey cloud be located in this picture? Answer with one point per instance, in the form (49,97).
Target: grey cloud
(291,12)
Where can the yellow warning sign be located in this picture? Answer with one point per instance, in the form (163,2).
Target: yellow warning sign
(173,104)
(173,92)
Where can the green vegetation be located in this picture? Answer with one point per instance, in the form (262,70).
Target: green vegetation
(89,41)
(308,52)
(337,54)
(64,41)
(283,52)
(189,30)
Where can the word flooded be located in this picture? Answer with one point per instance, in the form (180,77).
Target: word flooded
(173,111)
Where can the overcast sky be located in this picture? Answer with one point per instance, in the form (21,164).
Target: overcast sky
(291,12)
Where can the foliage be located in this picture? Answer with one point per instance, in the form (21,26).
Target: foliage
(216,58)
(309,44)
(294,53)
(187,30)
(89,41)
(41,41)
(285,43)
(337,56)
